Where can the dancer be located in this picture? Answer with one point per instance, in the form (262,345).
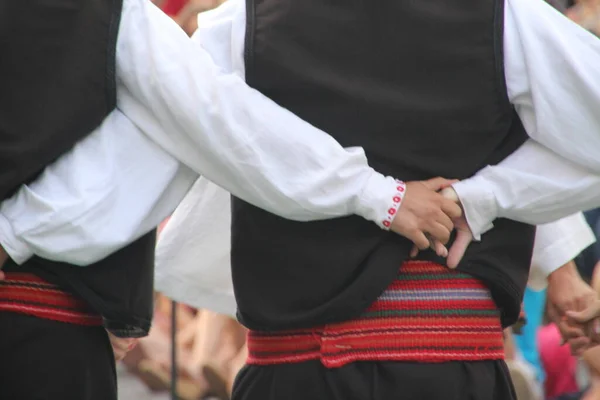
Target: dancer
(200,231)
(335,302)
(59,68)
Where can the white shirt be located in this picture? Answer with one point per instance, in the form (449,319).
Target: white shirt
(159,67)
(193,262)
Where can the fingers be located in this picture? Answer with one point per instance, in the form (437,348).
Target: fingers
(582,317)
(439,183)
(437,246)
(3,256)
(438,232)
(459,247)
(414,252)
(425,217)
(121,346)
(594,333)
(450,194)
(579,345)
(446,223)
(420,240)
(569,332)
(451,209)
(121,351)
(585,298)
(439,249)
(574,335)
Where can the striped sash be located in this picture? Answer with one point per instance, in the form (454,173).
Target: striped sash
(28,294)
(428,314)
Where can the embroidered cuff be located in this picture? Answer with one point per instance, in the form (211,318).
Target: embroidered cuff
(381,199)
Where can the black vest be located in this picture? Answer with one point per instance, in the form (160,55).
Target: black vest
(58,83)
(420,86)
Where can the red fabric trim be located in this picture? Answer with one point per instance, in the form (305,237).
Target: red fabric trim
(28,294)
(395,205)
(418,318)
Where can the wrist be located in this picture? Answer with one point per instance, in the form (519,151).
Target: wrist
(478,203)
(380,199)
(567,271)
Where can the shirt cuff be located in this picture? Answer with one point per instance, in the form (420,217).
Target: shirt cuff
(569,242)
(380,200)
(478,203)
(16,249)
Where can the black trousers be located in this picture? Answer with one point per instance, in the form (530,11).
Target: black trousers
(484,380)
(47,360)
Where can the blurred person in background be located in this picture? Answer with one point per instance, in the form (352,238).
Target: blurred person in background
(559,365)
(586,13)
(549,254)
(592,356)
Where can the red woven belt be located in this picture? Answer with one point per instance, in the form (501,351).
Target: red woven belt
(428,314)
(28,294)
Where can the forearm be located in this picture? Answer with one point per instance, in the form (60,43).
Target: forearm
(559,173)
(113,187)
(126,183)
(533,185)
(565,271)
(233,135)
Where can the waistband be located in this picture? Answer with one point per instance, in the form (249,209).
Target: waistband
(428,314)
(28,294)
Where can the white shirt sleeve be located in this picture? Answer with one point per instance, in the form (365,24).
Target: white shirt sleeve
(111,188)
(552,71)
(233,135)
(175,104)
(532,185)
(556,244)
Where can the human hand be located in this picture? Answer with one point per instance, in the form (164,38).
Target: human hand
(568,293)
(463,238)
(121,346)
(590,318)
(425,217)
(3,259)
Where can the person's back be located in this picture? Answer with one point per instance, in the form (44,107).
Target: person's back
(382,77)
(390,75)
